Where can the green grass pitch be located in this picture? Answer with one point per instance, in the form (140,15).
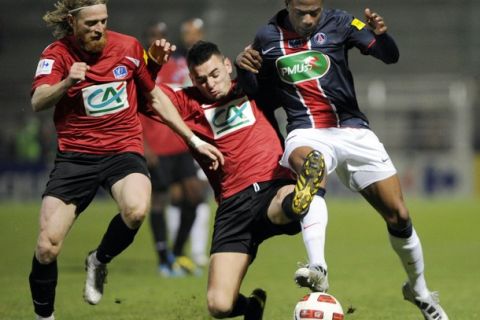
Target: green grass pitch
(365,274)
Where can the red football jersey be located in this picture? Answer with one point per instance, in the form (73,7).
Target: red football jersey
(240,130)
(98,115)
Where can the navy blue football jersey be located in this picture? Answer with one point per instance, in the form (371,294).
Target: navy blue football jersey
(311,77)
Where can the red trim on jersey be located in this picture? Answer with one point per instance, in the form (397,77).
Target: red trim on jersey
(371,43)
(311,94)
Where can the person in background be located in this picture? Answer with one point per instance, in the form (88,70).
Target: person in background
(175,181)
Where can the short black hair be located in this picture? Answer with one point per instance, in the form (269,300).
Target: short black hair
(200,52)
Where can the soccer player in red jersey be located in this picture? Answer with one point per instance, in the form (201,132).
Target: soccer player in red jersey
(91,76)
(250,187)
(301,54)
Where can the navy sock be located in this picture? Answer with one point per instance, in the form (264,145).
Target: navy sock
(400,232)
(116,239)
(43,281)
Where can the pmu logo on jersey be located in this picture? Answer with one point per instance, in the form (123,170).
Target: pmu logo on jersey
(235,115)
(105,98)
(302,66)
(120,72)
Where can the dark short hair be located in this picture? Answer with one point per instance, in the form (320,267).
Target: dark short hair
(200,52)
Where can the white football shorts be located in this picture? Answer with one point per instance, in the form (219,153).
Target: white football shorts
(356,154)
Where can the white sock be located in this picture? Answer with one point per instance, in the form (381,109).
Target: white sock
(314,226)
(94,260)
(200,231)
(410,252)
(173,222)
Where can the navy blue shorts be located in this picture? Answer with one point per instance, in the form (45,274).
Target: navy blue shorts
(76,177)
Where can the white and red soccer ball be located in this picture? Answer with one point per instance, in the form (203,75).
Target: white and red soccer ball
(318,306)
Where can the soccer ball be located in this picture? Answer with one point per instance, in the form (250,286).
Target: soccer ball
(318,306)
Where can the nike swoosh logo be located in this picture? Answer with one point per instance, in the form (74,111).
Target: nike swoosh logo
(384,160)
(309,225)
(268,50)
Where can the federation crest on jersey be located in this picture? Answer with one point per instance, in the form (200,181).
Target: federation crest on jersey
(228,118)
(302,66)
(106,98)
(120,72)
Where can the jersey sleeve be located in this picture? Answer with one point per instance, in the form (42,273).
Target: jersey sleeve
(50,69)
(143,77)
(382,47)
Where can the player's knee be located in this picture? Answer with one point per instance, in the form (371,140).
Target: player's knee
(398,217)
(219,306)
(135,214)
(47,250)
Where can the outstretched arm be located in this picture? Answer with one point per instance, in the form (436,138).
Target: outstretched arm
(169,114)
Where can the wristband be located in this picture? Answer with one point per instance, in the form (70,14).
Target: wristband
(195,142)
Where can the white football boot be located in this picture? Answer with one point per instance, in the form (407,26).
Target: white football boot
(313,277)
(96,278)
(429,306)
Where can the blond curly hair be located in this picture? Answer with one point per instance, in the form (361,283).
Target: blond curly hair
(57,19)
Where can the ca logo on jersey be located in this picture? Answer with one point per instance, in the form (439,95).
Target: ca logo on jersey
(231,117)
(302,66)
(105,98)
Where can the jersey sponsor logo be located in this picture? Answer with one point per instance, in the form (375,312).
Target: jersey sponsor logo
(44,66)
(302,66)
(105,98)
(120,72)
(358,24)
(320,38)
(231,117)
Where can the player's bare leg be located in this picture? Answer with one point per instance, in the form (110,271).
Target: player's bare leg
(132,194)
(226,273)
(56,219)
(386,197)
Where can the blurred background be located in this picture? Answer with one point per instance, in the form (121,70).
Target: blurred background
(424,109)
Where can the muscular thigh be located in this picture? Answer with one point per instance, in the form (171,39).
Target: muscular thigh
(126,177)
(226,272)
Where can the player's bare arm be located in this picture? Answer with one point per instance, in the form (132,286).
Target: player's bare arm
(161,50)
(169,114)
(46,96)
(376,22)
(249,59)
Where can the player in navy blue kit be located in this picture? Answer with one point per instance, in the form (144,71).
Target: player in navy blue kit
(301,56)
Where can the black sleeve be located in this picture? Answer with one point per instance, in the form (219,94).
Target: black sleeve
(384,49)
